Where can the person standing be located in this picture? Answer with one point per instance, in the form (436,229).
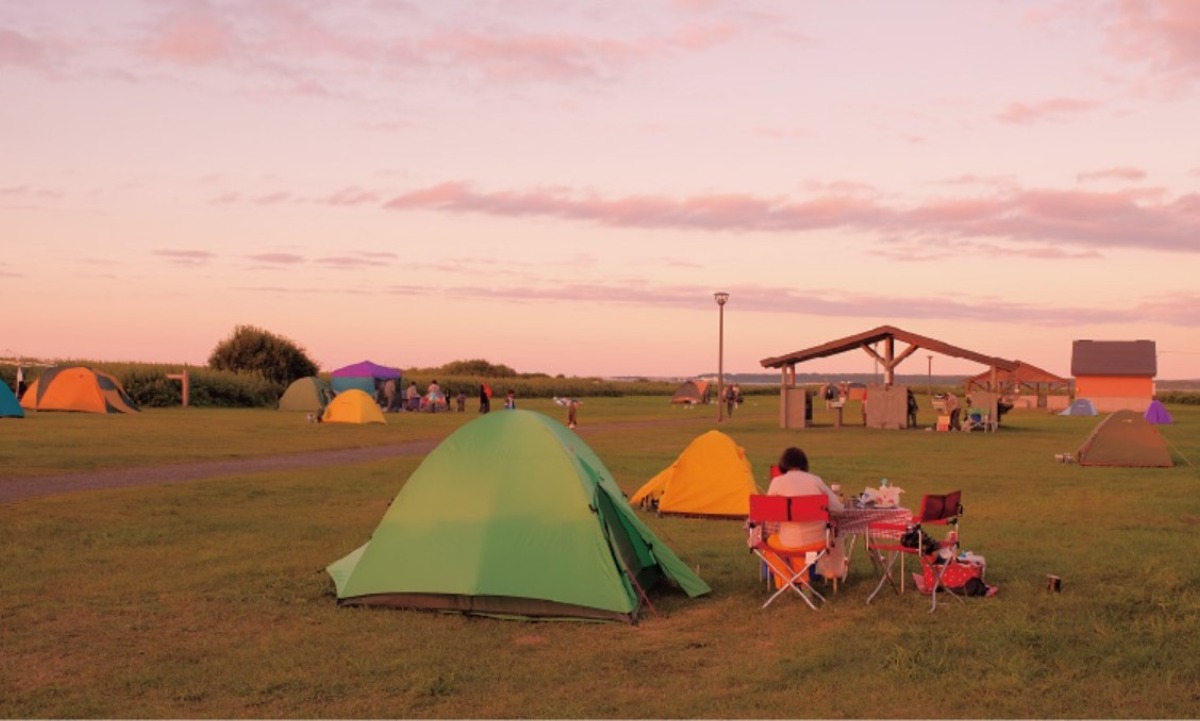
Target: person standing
(572,405)
(413,397)
(731,394)
(510,400)
(485,398)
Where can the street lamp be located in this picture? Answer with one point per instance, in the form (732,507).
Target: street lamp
(721,298)
(929,387)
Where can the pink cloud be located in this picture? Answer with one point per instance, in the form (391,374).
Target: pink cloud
(189,258)
(282,258)
(1030,218)
(18,50)
(1165,34)
(1053,109)
(273,198)
(346,262)
(1126,174)
(195,35)
(553,57)
(351,196)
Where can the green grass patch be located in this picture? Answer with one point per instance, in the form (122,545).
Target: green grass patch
(207,598)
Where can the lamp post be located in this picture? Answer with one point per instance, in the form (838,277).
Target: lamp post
(722,298)
(929,387)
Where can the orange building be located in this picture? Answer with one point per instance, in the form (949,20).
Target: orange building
(1115,375)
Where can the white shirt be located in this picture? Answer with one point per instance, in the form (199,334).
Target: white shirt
(800,483)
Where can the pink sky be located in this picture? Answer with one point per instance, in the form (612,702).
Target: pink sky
(561,187)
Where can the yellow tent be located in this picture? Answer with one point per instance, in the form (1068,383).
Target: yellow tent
(710,478)
(353,406)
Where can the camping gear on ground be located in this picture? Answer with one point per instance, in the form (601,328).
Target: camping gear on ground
(306,394)
(1079,407)
(1157,414)
(711,478)
(1125,439)
(887,542)
(512,515)
(364,375)
(693,392)
(789,565)
(9,407)
(353,406)
(77,388)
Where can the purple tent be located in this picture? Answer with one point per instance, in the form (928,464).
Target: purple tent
(1156,413)
(363,376)
(366,369)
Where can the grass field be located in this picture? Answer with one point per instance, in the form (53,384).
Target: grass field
(208,598)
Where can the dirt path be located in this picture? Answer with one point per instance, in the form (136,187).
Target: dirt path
(18,489)
(22,488)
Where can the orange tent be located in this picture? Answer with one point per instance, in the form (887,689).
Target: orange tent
(76,388)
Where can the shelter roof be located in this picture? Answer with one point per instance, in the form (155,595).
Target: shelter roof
(885,332)
(1114,358)
(1024,373)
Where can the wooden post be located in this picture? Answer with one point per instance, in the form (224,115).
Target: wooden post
(186,386)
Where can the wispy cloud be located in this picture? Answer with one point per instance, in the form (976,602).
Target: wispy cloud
(278,258)
(1163,35)
(186,257)
(827,302)
(1123,174)
(21,51)
(1035,219)
(1045,110)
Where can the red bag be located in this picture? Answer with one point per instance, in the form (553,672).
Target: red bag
(955,576)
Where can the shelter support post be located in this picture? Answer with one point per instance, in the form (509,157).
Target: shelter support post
(183,378)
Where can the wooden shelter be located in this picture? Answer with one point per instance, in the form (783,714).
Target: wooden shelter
(880,344)
(1026,385)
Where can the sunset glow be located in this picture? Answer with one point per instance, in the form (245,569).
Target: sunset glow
(561,187)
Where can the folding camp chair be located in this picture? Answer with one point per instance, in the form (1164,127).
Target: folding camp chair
(887,542)
(789,564)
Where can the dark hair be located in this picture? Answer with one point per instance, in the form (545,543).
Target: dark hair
(793,459)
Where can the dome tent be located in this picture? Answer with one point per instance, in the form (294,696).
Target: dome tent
(512,515)
(79,389)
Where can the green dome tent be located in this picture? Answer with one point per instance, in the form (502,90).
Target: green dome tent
(511,515)
(306,394)
(1125,439)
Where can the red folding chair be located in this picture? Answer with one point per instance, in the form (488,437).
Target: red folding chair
(887,542)
(788,564)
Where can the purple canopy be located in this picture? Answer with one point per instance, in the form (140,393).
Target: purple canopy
(366,369)
(1157,414)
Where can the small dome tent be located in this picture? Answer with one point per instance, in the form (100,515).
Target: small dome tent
(79,389)
(712,477)
(9,407)
(306,394)
(353,406)
(1125,439)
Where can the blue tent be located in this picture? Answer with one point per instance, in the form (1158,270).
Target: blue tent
(9,407)
(1080,407)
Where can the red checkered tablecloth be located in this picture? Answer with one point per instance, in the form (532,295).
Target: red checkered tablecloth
(854,521)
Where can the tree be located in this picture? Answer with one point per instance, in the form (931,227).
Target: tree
(254,350)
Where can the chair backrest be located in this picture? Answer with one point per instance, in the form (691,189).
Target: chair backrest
(940,507)
(776,471)
(784,509)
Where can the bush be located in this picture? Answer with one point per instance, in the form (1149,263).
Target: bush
(253,350)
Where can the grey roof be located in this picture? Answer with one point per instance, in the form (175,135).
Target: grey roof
(1114,358)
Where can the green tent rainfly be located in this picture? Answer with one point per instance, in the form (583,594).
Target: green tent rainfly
(512,515)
